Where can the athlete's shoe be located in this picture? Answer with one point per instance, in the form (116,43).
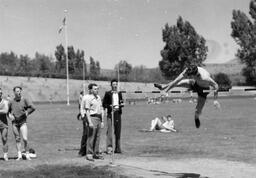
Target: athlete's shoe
(28,157)
(19,156)
(89,158)
(6,157)
(158,86)
(197,122)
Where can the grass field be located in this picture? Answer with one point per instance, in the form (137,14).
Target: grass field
(226,135)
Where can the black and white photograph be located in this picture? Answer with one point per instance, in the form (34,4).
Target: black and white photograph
(128,88)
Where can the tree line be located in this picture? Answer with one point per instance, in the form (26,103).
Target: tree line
(42,65)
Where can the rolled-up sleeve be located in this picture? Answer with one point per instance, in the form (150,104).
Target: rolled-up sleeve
(82,106)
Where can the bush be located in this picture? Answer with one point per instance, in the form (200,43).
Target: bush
(223,81)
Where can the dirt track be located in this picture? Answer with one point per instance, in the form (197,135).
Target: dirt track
(194,168)
(155,167)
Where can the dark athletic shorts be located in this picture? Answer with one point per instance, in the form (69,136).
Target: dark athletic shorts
(3,121)
(20,122)
(199,90)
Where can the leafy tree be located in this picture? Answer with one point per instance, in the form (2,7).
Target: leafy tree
(97,65)
(25,64)
(124,69)
(93,70)
(223,81)
(183,46)
(8,58)
(75,60)
(60,57)
(44,63)
(244,34)
(79,62)
(71,60)
(139,73)
(8,61)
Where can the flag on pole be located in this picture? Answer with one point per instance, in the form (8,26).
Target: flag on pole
(62,26)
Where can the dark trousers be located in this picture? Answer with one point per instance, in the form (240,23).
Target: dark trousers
(93,137)
(82,150)
(117,130)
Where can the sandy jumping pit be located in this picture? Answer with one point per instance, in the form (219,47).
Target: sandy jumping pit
(184,168)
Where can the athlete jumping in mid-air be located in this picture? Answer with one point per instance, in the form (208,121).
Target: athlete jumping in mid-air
(196,79)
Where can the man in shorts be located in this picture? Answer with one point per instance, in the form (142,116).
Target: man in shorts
(4,124)
(19,109)
(196,79)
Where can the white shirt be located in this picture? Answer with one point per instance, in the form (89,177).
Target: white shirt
(4,106)
(93,104)
(115,100)
(82,105)
(169,124)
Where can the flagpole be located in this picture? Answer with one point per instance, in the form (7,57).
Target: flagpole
(118,76)
(66,49)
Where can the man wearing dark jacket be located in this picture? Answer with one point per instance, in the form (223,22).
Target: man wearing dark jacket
(113,101)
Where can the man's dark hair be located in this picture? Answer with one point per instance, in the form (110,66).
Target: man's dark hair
(90,86)
(192,70)
(14,88)
(113,80)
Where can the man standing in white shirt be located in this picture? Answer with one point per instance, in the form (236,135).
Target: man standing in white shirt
(95,114)
(82,113)
(196,79)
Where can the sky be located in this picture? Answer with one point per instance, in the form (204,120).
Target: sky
(114,30)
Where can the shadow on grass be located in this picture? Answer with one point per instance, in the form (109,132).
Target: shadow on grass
(157,151)
(177,175)
(64,172)
(10,158)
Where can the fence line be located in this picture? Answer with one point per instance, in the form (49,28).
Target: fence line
(186,91)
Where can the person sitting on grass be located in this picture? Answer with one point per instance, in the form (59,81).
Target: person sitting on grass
(164,124)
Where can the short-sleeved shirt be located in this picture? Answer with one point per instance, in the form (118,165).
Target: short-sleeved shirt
(80,101)
(169,124)
(83,105)
(93,104)
(18,108)
(3,117)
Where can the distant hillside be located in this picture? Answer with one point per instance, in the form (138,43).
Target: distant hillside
(48,89)
(232,67)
